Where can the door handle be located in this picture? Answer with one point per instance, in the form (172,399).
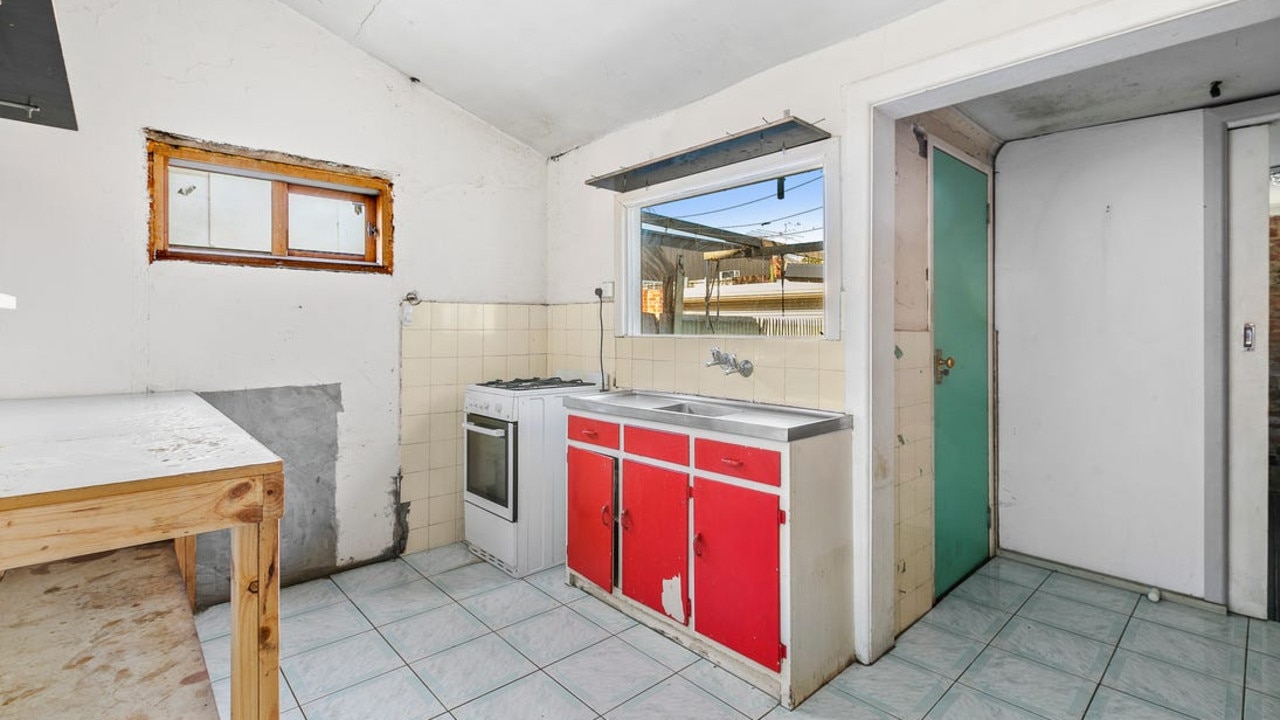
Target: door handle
(589,432)
(606,517)
(491,432)
(698,545)
(625,519)
(1250,336)
(941,366)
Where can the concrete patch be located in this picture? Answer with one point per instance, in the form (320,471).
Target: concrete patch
(300,424)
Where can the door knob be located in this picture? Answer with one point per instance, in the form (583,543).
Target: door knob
(941,366)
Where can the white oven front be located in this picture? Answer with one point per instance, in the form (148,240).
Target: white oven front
(489,465)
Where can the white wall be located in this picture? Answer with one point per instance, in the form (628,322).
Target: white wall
(1100,306)
(95,317)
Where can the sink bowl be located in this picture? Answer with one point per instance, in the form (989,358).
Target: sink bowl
(701,409)
(769,422)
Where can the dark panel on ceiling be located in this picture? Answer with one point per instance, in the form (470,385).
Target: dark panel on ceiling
(31,68)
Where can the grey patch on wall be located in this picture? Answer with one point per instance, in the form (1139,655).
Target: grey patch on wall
(300,424)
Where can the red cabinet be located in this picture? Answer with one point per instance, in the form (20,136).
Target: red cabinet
(656,444)
(596,432)
(590,516)
(655,537)
(735,569)
(740,461)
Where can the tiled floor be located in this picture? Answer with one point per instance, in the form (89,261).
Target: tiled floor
(438,635)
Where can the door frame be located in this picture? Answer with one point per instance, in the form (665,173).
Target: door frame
(992,385)
(1241,484)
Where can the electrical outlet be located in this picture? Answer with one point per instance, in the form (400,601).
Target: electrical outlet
(607,288)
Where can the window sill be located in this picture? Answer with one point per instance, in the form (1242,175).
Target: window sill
(259,260)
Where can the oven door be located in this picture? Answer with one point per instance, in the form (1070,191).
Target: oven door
(489,465)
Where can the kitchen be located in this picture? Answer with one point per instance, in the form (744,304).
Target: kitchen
(95,317)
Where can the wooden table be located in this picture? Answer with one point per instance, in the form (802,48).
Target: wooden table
(88,474)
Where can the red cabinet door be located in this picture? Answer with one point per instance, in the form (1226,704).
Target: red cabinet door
(735,569)
(655,538)
(590,516)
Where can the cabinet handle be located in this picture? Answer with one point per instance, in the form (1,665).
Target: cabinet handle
(697,544)
(731,462)
(606,517)
(625,519)
(589,432)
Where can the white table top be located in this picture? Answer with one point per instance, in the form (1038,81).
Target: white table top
(54,444)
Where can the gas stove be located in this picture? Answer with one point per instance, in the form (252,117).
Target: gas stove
(527,384)
(514,470)
(499,398)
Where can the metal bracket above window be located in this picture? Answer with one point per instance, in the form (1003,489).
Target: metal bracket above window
(773,137)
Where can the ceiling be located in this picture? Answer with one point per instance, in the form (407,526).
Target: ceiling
(558,74)
(1247,61)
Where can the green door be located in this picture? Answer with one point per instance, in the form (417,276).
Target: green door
(960,421)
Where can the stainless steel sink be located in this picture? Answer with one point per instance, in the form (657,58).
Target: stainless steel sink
(703,409)
(769,422)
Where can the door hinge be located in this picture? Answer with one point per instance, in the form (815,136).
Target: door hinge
(988,213)
(688,611)
(690,489)
(988,517)
(782,517)
(782,651)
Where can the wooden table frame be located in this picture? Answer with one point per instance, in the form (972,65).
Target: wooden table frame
(37,527)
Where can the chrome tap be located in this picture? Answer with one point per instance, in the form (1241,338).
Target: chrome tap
(733,365)
(717,358)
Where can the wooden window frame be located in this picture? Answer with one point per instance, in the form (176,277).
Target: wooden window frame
(301,177)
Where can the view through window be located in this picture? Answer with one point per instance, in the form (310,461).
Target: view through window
(746,260)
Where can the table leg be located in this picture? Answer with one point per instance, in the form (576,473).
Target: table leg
(255,621)
(185,547)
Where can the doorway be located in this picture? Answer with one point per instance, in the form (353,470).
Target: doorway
(960,219)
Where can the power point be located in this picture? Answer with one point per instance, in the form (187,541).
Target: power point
(607,288)
(599,293)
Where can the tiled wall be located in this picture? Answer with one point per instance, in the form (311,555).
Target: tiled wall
(805,373)
(913,526)
(446,347)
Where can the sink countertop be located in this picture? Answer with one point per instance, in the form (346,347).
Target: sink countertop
(768,422)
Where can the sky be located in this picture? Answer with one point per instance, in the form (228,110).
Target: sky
(755,209)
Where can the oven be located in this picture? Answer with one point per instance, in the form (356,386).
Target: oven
(489,465)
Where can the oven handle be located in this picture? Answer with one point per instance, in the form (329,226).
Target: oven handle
(491,432)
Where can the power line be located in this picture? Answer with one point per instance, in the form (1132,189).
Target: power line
(766,222)
(749,202)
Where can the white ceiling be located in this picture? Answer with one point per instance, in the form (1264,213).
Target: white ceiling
(560,73)
(1247,61)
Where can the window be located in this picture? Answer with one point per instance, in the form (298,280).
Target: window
(741,250)
(240,207)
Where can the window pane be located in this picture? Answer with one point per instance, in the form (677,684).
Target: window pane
(188,207)
(325,224)
(219,211)
(746,260)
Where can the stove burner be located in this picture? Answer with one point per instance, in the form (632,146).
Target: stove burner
(519,384)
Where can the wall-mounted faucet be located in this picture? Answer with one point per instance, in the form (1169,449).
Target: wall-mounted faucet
(730,363)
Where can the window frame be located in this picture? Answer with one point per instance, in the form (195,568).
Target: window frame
(823,155)
(299,176)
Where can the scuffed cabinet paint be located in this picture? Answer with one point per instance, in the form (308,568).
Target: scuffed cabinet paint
(673,598)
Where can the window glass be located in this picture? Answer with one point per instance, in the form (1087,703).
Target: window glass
(330,224)
(219,211)
(744,260)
